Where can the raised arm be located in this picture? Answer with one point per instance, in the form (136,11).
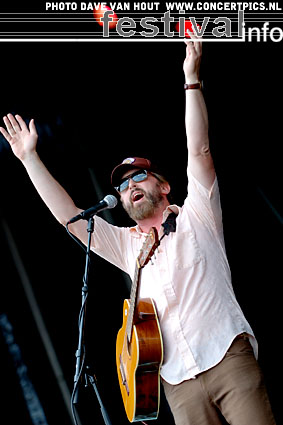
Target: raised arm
(200,161)
(23,141)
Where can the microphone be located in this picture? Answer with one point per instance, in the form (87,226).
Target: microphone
(108,202)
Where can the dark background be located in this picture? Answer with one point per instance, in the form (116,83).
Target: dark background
(95,104)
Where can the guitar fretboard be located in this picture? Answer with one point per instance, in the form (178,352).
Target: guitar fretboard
(133,299)
(147,250)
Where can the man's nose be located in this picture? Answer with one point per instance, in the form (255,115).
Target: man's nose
(132,184)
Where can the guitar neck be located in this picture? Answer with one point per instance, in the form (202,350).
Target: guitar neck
(133,301)
(148,248)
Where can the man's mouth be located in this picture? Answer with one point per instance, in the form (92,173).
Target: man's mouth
(137,196)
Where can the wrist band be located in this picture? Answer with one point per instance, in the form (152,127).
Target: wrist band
(192,86)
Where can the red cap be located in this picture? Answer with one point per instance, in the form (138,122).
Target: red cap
(128,164)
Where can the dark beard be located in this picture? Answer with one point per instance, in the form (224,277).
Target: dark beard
(147,208)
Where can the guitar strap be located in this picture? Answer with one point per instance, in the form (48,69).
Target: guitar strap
(169,225)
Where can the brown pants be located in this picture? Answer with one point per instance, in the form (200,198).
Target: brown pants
(234,387)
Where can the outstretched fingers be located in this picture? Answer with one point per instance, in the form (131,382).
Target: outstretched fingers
(21,139)
(21,122)
(16,125)
(194,42)
(12,125)
(10,130)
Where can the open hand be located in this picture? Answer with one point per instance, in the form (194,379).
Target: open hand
(22,139)
(193,59)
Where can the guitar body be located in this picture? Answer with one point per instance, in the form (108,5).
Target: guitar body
(139,361)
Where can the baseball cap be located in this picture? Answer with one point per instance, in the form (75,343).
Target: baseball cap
(130,163)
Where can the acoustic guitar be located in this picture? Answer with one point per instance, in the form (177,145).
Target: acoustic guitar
(139,348)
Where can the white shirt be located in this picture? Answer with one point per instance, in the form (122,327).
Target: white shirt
(189,282)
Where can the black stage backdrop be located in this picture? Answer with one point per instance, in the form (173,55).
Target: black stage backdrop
(95,104)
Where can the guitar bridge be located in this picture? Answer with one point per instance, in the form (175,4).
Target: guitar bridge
(146,316)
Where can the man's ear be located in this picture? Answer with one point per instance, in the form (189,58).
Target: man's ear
(165,188)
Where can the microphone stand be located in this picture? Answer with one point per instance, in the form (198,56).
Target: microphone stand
(80,353)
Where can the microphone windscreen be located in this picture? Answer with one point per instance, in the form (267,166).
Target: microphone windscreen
(111,201)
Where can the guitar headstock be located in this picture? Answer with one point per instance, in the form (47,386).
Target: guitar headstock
(148,248)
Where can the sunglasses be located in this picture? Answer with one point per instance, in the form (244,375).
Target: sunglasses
(137,176)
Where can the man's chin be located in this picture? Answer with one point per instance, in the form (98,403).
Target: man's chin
(140,211)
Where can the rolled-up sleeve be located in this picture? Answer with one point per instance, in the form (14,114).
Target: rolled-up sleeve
(109,242)
(205,203)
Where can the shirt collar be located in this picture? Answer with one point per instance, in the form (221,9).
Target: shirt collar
(135,231)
